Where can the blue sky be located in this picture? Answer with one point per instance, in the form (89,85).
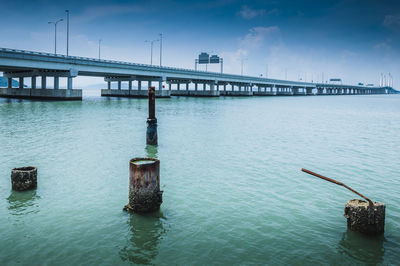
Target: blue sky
(355,40)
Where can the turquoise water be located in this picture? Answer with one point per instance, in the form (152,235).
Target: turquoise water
(230,171)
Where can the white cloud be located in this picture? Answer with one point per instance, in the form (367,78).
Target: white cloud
(392,21)
(257,35)
(249,13)
(95,12)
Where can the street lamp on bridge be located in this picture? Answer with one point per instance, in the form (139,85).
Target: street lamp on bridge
(151,49)
(55,33)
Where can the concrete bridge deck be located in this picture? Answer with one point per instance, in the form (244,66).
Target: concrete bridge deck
(19,64)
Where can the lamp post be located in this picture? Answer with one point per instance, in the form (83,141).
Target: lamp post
(151,50)
(100,47)
(160,49)
(67,11)
(55,33)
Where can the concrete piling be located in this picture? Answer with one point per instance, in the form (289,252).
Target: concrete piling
(364,218)
(24,178)
(144,185)
(151,134)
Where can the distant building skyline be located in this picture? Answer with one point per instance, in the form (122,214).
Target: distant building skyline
(303,40)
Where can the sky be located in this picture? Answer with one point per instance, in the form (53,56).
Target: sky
(355,40)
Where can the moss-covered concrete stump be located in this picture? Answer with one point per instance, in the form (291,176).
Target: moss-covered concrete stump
(144,185)
(365,219)
(24,178)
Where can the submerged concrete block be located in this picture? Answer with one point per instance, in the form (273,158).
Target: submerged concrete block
(364,219)
(24,178)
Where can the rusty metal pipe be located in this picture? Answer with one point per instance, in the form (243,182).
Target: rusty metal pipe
(151,134)
(371,204)
(152,103)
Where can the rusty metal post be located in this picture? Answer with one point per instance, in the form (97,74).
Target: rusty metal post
(144,185)
(24,178)
(151,134)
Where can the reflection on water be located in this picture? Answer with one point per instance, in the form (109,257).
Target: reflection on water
(21,203)
(362,248)
(145,234)
(151,151)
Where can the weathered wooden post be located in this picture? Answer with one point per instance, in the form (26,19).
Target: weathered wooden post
(366,217)
(151,134)
(24,178)
(144,185)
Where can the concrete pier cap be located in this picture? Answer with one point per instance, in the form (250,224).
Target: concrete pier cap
(144,185)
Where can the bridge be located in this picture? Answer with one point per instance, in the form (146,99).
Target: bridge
(169,81)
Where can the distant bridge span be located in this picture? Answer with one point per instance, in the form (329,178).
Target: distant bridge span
(26,64)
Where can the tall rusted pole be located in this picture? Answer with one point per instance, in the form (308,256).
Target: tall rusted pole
(151,134)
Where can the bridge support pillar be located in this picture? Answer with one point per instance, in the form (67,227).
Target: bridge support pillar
(9,83)
(119,85)
(187,86)
(69,83)
(195,86)
(160,85)
(21,82)
(139,85)
(204,86)
(43,82)
(178,86)
(149,84)
(224,87)
(33,82)
(108,85)
(56,83)
(130,85)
